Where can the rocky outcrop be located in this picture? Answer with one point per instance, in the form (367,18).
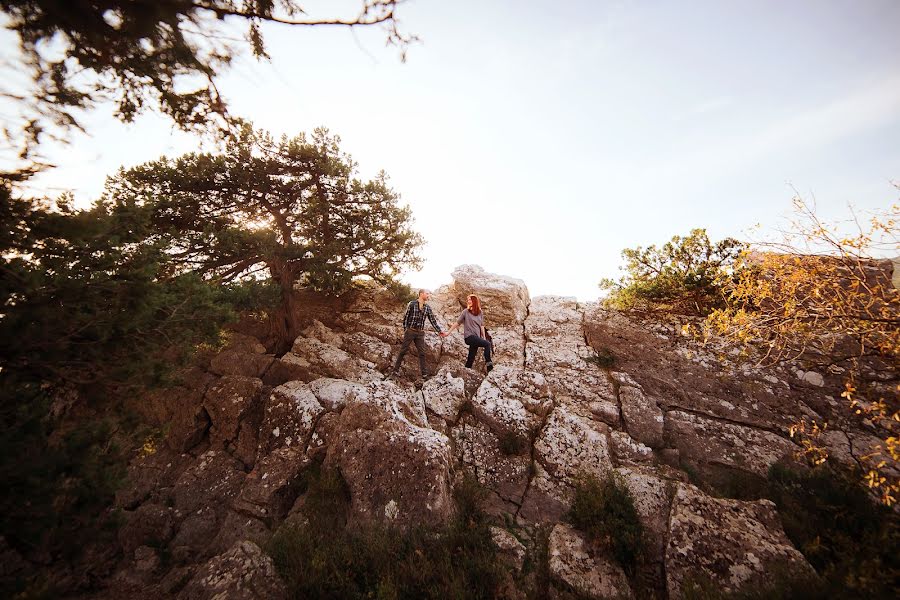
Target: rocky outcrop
(576,391)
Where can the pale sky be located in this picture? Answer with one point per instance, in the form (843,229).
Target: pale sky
(539,139)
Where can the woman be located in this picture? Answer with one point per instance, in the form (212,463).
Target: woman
(474,335)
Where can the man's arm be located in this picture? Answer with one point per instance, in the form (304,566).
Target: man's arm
(430,314)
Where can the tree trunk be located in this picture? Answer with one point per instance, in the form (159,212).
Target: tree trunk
(284,323)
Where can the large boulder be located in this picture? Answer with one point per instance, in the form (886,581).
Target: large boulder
(715,442)
(593,575)
(570,446)
(397,472)
(234,406)
(731,542)
(151,524)
(242,573)
(290,416)
(213,481)
(505,300)
(240,363)
(272,486)
(513,402)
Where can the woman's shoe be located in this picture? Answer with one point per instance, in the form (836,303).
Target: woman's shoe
(490,366)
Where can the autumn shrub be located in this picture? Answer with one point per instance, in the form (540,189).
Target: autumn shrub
(323,558)
(604,510)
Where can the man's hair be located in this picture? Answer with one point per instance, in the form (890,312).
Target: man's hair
(422,291)
(476,304)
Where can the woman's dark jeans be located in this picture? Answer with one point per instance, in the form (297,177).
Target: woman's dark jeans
(474,342)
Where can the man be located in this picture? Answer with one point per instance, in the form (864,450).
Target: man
(414,330)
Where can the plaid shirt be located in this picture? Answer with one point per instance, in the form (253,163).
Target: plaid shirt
(415,317)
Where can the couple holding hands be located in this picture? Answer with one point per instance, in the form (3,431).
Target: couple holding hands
(471,319)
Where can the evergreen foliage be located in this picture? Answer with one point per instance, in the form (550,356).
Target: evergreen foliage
(682,276)
(140,55)
(290,209)
(91,312)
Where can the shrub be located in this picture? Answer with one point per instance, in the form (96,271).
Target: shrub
(604,510)
(683,275)
(326,559)
(851,541)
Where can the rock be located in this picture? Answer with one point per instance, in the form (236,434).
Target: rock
(237,527)
(228,402)
(712,441)
(568,447)
(237,362)
(444,395)
(396,471)
(333,394)
(504,299)
(242,573)
(628,450)
(605,412)
(289,417)
(195,534)
(319,331)
(151,476)
(513,401)
(730,542)
(642,416)
(812,378)
(270,489)
(572,564)
(651,494)
(150,524)
(546,499)
(368,348)
(146,560)
(504,473)
(243,343)
(510,549)
(330,361)
(213,481)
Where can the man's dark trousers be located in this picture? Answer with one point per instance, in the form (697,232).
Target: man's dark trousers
(409,336)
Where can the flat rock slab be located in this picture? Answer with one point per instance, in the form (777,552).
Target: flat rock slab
(572,564)
(731,542)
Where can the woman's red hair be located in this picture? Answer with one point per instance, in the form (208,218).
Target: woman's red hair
(476,304)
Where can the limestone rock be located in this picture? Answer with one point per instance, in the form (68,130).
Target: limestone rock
(329,361)
(270,489)
(569,446)
(243,343)
(242,573)
(573,565)
(513,401)
(643,417)
(333,394)
(396,471)
(214,480)
(324,334)
(505,299)
(726,444)
(628,450)
(511,549)
(503,472)
(445,395)
(228,401)
(240,363)
(651,494)
(728,541)
(289,418)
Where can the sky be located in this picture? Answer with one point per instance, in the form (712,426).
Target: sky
(539,139)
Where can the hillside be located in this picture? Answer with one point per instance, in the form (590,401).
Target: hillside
(691,431)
